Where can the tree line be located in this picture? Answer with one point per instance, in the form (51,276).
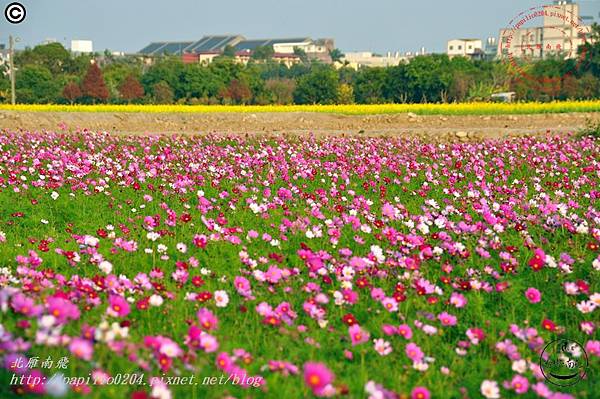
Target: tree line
(51,74)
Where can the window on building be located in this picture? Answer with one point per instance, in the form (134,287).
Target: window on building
(451,48)
(470,47)
(460,47)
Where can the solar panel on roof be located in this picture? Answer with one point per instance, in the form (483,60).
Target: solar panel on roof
(151,47)
(250,44)
(174,48)
(193,47)
(209,45)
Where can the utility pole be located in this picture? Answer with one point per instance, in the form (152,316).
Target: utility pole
(11,64)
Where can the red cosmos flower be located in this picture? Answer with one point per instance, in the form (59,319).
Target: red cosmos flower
(549,325)
(204,296)
(102,233)
(583,286)
(593,246)
(185,217)
(271,320)
(538,260)
(139,395)
(197,281)
(142,304)
(399,296)
(362,282)
(349,319)
(432,300)
(164,362)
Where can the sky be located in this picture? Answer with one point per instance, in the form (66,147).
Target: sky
(356,25)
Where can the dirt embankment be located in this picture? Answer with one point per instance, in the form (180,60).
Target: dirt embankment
(410,125)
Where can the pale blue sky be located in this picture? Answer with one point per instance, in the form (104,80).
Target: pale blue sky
(378,25)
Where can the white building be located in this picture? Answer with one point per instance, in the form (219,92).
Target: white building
(561,33)
(82,46)
(464,48)
(360,59)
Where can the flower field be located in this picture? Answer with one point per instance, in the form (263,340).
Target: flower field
(221,266)
(482,108)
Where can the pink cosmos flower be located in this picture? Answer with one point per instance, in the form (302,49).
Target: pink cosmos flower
(414,353)
(520,384)
(317,376)
(533,295)
(357,334)
(62,309)
(25,305)
(81,348)
(447,319)
(420,393)
(117,306)
(405,331)
(208,321)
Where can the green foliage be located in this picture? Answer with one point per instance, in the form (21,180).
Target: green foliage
(336,55)
(369,84)
(263,53)
(431,78)
(320,86)
(36,84)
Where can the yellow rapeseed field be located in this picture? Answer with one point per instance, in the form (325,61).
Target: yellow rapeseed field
(352,109)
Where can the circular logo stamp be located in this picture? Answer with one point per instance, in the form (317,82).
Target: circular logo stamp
(544,32)
(15,13)
(563,362)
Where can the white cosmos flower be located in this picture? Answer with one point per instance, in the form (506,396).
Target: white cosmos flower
(221,298)
(490,389)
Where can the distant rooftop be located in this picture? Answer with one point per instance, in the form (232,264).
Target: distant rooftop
(253,44)
(204,45)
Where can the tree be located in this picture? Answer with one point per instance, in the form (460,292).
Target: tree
(369,84)
(282,90)
(238,92)
(169,70)
(71,92)
(336,55)
(52,56)
(263,53)
(320,86)
(301,54)
(346,94)
(36,84)
(131,89)
(162,93)
(428,78)
(395,88)
(229,51)
(93,85)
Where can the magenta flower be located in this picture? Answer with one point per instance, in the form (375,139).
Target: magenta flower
(357,334)
(317,376)
(520,384)
(533,295)
(117,306)
(414,353)
(62,309)
(447,319)
(25,305)
(405,331)
(82,348)
(420,393)
(208,321)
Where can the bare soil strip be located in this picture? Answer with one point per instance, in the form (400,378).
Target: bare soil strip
(462,127)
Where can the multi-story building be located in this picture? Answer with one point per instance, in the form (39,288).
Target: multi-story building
(561,33)
(472,48)
(361,59)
